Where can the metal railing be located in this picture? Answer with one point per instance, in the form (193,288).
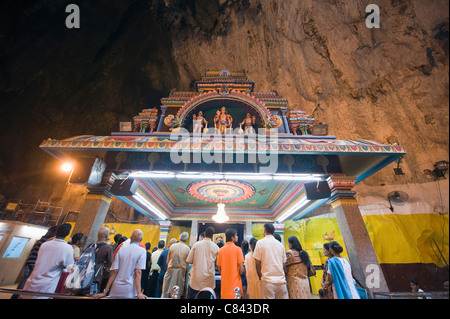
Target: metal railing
(175,294)
(40,213)
(56,295)
(411,295)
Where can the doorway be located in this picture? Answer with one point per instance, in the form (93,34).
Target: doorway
(221,228)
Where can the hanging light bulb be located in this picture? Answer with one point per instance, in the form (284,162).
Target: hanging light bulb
(221,216)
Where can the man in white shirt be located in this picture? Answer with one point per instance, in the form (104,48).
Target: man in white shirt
(270,258)
(126,270)
(53,256)
(202,257)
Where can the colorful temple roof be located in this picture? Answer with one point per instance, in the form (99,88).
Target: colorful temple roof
(224,115)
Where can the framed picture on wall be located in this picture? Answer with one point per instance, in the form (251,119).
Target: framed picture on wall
(16,247)
(218,237)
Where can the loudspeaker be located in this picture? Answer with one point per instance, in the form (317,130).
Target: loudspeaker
(82,170)
(125,187)
(316,190)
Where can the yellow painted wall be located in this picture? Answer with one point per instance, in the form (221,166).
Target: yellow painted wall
(396,238)
(409,238)
(151,232)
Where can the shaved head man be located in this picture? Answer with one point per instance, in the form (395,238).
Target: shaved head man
(136,236)
(103,258)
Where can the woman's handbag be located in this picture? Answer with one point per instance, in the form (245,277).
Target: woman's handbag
(311,270)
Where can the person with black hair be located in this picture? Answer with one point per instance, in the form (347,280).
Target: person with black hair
(340,274)
(117,241)
(253,286)
(75,241)
(277,237)
(270,260)
(202,256)
(297,263)
(415,286)
(146,271)
(54,255)
(245,248)
(326,285)
(154,270)
(230,263)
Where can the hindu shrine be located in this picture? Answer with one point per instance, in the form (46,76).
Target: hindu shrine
(230,146)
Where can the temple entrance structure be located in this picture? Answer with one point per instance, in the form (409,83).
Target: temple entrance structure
(227,144)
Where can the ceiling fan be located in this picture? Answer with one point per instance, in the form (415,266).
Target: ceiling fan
(397,197)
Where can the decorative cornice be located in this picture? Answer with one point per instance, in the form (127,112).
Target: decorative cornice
(338,202)
(147,143)
(104,197)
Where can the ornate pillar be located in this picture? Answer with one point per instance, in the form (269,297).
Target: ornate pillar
(92,215)
(161,118)
(248,230)
(194,232)
(363,259)
(164,228)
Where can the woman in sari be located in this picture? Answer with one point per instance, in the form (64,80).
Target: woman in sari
(326,285)
(340,274)
(297,262)
(253,285)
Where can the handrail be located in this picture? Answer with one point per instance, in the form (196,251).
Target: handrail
(57,295)
(411,295)
(175,293)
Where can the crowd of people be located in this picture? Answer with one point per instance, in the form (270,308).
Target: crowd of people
(260,269)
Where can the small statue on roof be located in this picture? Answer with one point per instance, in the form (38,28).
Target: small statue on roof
(199,121)
(248,123)
(172,122)
(224,121)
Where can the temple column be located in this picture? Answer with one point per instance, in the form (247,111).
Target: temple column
(194,232)
(164,228)
(248,230)
(162,117)
(363,259)
(92,215)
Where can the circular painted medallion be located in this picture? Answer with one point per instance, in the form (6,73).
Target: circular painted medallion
(221,191)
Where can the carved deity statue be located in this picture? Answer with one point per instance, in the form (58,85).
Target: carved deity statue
(199,121)
(223,122)
(216,122)
(248,123)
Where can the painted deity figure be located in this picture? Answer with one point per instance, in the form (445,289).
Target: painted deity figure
(223,121)
(216,122)
(248,123)
(199,121)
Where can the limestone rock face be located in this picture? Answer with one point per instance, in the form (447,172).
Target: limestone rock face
(387,84)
